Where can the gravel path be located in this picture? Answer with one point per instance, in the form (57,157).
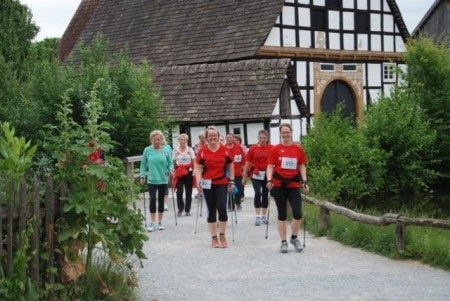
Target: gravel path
(182,266)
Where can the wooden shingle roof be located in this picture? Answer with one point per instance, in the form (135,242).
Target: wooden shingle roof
(246,89)
(182,32)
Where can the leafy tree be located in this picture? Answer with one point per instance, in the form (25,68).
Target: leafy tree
(427,82)
(131,103)
(341,165)
(398,126)
(17,31)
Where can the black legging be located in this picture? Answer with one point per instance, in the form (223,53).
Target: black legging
(161,189)
(185,181)
(261,199)
(282,195)
(216,200)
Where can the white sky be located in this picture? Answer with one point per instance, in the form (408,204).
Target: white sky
(53,16)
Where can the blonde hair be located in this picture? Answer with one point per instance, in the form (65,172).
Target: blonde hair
(156,133)
(211,128)
(201,134)
(183,136)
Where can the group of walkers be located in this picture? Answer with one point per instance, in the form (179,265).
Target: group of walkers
(218,166)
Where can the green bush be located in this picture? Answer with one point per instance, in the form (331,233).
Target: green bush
(341,165)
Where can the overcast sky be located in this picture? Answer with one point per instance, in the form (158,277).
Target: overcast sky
(53,16)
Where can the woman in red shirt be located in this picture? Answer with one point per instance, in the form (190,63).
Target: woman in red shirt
(255,168)
(211,163)
(285,171)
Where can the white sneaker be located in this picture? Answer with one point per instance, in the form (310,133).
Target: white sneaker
(264,220)
(161,227)
(151,227)
(165,207)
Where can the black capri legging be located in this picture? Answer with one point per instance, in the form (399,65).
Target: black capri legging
(216,200)
(282,195)
(161,189)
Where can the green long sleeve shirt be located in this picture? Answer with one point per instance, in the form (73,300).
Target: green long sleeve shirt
(156,164)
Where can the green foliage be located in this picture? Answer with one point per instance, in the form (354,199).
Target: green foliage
(16,154)
(427,82)
(99,210)
(397,125)
(131,105)
(16,32)
(18,285)
(116,282)
(341,165)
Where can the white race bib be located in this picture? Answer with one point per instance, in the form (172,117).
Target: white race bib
(206,184)
(184,159)
(260,176)
(288,163)
(238,158)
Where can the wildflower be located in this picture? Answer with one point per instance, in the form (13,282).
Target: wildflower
(91,144)
(100,185)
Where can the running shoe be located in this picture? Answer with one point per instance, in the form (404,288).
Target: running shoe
(188,214)
(258,221)
(180,213)
(297,244)
(151,227)
(223,241)
(161,227)
(215,243)
(165,207)
(239,207)
(284,247)
(264,220)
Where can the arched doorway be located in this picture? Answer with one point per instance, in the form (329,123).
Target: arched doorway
(338,92)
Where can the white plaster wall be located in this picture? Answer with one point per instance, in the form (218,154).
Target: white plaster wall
(274,38)
(374,74)
(252,132)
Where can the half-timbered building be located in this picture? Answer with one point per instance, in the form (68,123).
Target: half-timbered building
(248,65)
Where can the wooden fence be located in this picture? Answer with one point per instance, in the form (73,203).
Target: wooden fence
(16,211)
(387,219)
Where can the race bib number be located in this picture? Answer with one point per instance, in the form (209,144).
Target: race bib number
(238,158)
(288,163)
(260,176)
(206,184)
(185,159)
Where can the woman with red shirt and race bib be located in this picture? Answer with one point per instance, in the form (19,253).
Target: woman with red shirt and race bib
(285,171)
(255,168)
(211,163)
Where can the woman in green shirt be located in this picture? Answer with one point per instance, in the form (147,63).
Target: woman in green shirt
(156,165)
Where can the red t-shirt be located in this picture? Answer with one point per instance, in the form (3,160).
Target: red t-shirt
(237,155)
(258,156)
(214,163)
(286,161)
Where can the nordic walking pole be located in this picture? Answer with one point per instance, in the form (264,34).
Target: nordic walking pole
(235,209)
(232,223)
(174,210)
(199,206)
(201,203)
(268,218)
(145,210)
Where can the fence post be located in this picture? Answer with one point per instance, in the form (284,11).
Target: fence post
(23,216)
(50,228)
(36,233)
(400,236)
(9,231)
(324,218)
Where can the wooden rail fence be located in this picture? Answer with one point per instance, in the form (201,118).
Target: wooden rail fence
(21,207)
(387,219)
